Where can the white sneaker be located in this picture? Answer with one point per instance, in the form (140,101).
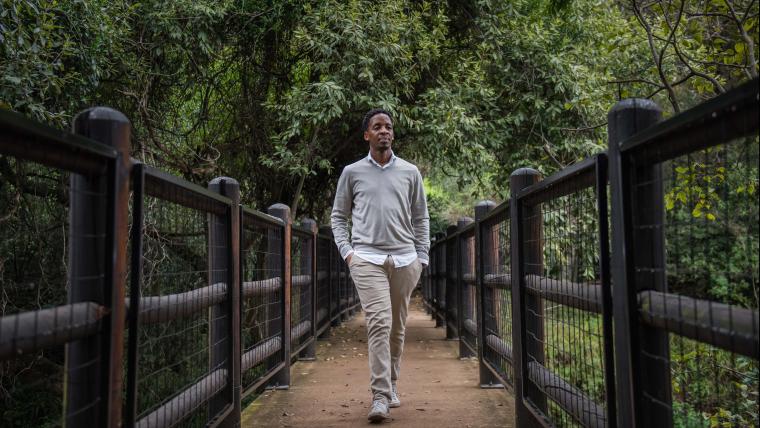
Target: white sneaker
(379,411)
(395,402)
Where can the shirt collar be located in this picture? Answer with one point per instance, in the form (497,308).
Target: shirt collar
(393,159)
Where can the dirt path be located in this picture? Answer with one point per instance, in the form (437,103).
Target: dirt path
(436,388)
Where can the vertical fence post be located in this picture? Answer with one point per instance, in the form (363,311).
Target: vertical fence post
(526,247)
(327,230)
(282,211)
(638,263)
(452,285)
(483,296)
(97,272)
(309,267)
(463,265)
(224,267)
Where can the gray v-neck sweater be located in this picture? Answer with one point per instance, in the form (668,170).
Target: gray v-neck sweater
(387,208)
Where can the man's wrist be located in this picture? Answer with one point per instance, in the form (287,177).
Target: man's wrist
(348,254)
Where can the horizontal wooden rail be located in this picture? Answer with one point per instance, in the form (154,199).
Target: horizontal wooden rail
(498,280)
(571,399)
(261,287)
(32,331)
(160,309)
(321,314)
(186,402)
(299,330)
(260,352)
(471,327)
(587,297)
(499,346)
(726,326)
(469,278)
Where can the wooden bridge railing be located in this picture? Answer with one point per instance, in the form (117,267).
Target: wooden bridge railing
(653,324)
(164,302)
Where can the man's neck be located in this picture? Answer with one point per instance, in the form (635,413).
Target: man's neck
(381,157)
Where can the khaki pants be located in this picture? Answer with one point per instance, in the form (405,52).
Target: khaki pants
(384,292)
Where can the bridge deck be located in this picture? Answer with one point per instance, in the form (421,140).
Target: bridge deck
(437,389)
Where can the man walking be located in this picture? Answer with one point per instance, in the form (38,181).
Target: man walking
(389,245)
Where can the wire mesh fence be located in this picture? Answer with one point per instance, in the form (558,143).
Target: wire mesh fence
(74,350)
(324,244)
(469,334)
(566,358)
(452,286)
(261,317)
(54,273)
(705,300)
(183,284)
(34,232)
(302,288)
(497,294)
(685,221)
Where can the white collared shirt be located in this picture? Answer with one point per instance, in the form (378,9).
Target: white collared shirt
(379,258)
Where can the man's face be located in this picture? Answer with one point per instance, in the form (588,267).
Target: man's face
(379,133)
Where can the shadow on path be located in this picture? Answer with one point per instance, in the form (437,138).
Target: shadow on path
(436,388)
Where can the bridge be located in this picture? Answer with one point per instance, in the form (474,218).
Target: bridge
(620,291)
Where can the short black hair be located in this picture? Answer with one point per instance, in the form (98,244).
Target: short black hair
(370,114)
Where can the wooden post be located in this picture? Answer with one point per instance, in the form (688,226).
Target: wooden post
(638,264)
(98,228)
(483,294)
(224,318)
(282,211)
(526,231)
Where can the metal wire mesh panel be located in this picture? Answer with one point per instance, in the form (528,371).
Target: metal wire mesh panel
(564,331)
(261,299)
(703,305)
(302,288)
(469,308)
(452,288)
(34,232)
(323,282)
(440,281)
(335,259)
(343,283)
(497,294)
(181,362)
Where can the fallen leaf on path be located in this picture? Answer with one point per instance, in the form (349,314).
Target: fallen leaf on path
(421,410)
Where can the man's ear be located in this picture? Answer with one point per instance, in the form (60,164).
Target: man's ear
(366,136)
